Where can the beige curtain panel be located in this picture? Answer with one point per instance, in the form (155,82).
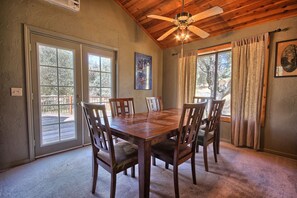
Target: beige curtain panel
(186,78)
(249,60)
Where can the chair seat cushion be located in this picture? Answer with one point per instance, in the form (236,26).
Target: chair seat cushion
(165,150)
(201,136)
(124,153)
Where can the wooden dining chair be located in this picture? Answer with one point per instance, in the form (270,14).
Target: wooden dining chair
(112,157)
(209,133)
(121,106)
(178,150)
(154,103)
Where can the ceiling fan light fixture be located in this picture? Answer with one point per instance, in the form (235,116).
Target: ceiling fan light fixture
(183,16)
(182,35)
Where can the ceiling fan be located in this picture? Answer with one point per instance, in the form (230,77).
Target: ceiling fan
(183,20)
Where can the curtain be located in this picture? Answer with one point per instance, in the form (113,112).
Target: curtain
(249,62)
(186,78)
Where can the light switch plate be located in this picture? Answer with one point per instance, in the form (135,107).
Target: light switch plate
(16,91)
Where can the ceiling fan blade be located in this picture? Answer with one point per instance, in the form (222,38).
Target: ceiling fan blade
(207,13)
(161,18)
(198,31)
(167,33)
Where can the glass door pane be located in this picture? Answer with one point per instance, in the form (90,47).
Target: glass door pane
(56,89)
(56,77)
(99,81)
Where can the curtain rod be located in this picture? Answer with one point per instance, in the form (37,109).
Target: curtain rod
(274,31)
(279,30)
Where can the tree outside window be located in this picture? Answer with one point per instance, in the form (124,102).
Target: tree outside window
(213,77)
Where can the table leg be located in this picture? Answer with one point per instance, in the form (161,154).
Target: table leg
(144,167)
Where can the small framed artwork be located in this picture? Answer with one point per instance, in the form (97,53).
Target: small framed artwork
(143,72)
(286,59)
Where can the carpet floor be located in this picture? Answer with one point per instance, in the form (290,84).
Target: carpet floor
(239,173)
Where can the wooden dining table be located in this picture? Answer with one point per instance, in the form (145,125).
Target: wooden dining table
(145,130)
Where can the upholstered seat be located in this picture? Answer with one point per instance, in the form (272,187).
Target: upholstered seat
(201,136)
(166,150)
(124,153)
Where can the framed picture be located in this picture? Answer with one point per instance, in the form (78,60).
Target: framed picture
(286,59)
(143,72)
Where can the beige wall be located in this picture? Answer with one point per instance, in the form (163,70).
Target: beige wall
(100,21)
(280,132)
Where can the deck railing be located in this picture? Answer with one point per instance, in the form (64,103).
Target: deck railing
(49,103)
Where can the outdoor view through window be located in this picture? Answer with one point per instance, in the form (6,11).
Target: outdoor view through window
(213,77)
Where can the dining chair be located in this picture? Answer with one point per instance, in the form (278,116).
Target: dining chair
(178,150)
(209,132)
(112,157)
(154,103)
(121,106)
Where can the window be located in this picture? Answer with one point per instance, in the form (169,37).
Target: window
(213,77)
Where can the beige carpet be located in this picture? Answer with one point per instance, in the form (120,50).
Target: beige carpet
(238,173)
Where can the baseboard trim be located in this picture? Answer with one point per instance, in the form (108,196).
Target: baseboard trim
(225,140)
(288,155)
(14,164)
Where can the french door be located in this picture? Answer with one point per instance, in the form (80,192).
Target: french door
(56,86)
(63,74)
(99,78)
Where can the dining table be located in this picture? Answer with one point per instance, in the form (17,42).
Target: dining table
(145,130)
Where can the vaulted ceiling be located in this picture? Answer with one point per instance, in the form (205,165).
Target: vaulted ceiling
(237,14)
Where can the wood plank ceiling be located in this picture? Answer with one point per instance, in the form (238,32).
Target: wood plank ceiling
(237,14)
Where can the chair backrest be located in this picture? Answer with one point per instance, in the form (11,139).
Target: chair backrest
(214,115)
(203,99)
(190,123)
(100,135)
(154,103)
(121,106)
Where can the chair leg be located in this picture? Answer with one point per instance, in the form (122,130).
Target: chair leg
(154,161)
(166,165)
(125,172)
(205,157)
(197,145)
(197,148)
(175,177)
(113,184)
(133,171)
(95,176)
(193,168)
(215,151)
(218,140)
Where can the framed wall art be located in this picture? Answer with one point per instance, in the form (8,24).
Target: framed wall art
(286,59)
(143,72)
